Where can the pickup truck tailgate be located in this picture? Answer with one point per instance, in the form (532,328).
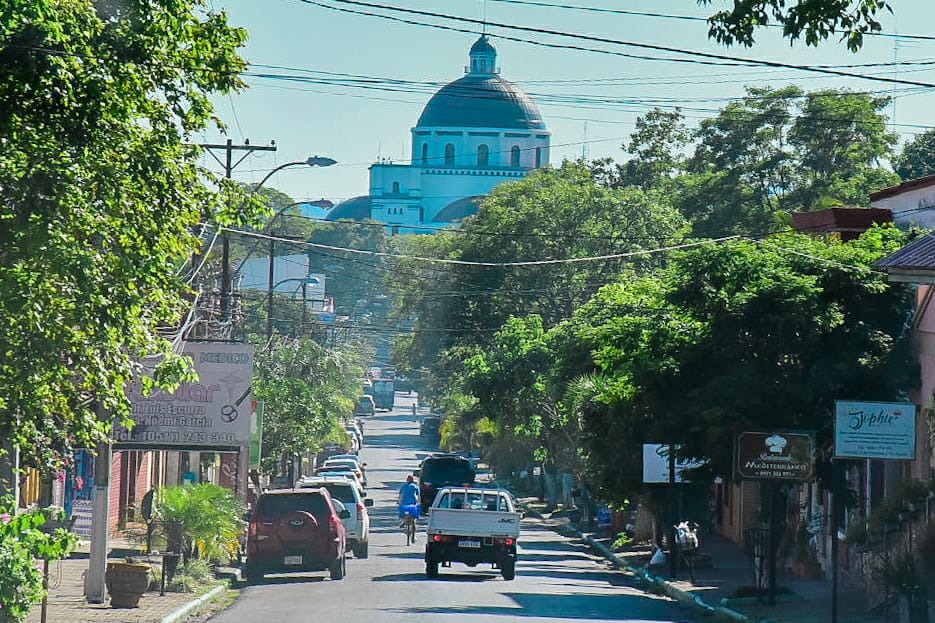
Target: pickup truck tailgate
(463,522)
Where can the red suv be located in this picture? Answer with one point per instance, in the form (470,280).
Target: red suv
(295,530)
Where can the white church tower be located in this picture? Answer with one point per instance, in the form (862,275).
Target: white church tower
(474,134)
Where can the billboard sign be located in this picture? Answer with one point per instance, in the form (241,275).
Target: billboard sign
(776,455)
(874,430)
(212,412)
(656,464)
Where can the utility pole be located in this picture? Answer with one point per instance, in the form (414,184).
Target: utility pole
(229,165)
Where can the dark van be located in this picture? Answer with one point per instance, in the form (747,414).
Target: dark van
(443,470)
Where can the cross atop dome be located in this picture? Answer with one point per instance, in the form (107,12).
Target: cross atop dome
(483,57)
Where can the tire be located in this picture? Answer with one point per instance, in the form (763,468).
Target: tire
(338,569)
(252,575)
(508,568)
(431,568)
(362,550)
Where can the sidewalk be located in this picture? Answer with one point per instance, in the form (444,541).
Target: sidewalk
(715,586)
(66,602)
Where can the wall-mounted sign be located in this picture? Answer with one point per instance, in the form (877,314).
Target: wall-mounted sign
(212,412)
(874,430)
(776,455)
(656,464)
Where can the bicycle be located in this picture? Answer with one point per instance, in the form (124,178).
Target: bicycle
(409,524)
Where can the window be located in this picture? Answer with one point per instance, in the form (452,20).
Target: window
(514,156)
(483,155)
(395,188)
(483,66)
(538,157)
(449,154)
(425,153)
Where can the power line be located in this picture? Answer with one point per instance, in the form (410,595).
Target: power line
(694,54)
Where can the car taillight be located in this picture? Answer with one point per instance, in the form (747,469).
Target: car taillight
(360,511)
(252,529)
(441,538)
(508,541)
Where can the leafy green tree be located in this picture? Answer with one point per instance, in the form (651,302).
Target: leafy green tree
(549,219)
(742,335)
(100,195)
(815,20)
(306,389)
(918,157)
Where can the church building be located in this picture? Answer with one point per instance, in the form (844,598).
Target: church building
(474,134)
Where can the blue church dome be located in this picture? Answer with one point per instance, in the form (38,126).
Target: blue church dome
(356,208)
(481,99)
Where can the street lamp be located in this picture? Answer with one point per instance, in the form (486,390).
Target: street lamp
(307,280)
(226,285)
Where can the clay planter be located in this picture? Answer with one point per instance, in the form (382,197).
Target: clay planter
(126,583)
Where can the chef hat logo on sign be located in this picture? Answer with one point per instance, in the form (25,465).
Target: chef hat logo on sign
(776,443)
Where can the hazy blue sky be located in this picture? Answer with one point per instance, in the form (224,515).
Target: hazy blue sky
(589,100)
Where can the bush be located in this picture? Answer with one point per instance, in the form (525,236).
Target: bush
(202,520)
(21,543)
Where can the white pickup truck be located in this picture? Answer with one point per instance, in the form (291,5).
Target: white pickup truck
(472,525)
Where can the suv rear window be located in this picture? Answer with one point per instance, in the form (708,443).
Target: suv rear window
(343,492)
(277,505)
(447,471)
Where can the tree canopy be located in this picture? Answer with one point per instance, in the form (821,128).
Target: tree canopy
(813,20)
(100,194)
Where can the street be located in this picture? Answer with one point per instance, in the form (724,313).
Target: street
(556,579)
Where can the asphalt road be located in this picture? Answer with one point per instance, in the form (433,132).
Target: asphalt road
(556,580)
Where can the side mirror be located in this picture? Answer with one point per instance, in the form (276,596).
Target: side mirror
(247,516)
(416,472)
(363,465)
(368,501)
(344,514)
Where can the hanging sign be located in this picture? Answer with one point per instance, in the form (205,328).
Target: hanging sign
(874,430)
(776,455)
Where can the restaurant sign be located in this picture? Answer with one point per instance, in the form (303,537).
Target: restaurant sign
(775,455)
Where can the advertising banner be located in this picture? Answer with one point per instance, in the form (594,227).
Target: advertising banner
(212,412)
(874,430)
(656,464)
(776,455)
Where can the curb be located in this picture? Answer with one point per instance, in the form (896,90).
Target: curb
(655,583)
(193,606)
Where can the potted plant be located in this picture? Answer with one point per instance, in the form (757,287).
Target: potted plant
(126,582)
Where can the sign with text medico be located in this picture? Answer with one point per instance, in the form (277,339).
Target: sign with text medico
(211,412)
(874,430)
(776,455)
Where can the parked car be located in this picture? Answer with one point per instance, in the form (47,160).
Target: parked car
(430,426)
(365,406)
(293,530)
(443,470)
(337,470)
(357,524)
(348,464)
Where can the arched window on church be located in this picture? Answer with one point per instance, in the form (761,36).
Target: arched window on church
(425,154)
(514,156)
(395,188)
(483,66)
(449,155)
(483,155)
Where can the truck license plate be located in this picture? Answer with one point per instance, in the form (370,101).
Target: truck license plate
(293,560)
(469,543)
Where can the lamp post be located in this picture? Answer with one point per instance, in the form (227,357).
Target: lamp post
(269,300)
(226,285)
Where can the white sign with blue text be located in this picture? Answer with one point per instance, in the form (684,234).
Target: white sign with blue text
(874,430)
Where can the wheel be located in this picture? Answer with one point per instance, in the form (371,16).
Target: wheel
(252,574)
(338,569)
(410,531)
(361,550)
(431,568)
(508,568)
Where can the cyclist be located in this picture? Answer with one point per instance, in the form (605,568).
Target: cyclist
(408,500)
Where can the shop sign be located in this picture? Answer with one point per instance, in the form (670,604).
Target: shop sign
(874,430)
(776,455)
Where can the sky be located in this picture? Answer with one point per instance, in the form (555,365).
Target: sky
(326,82)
